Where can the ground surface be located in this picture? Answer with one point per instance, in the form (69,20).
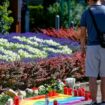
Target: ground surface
(86,86)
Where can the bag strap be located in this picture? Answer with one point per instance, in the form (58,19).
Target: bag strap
(94,21)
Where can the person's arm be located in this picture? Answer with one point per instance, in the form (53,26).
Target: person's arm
(83,39)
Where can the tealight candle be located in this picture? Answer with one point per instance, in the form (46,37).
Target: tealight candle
(83,89)
(16,100)
(75,92)
(54,92)
(65,90)
(87,96)
(50,93)
(80,92)
(55,102)
(69,91)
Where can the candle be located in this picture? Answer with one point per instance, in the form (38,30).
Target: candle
(75,92)
(54,93)
(50,93)
(69,91)
(55,102)
(87,96)
(83,89)
(65,90)
(16,100)
(81,92)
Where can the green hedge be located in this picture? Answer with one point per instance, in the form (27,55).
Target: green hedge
(5,19)
(41,17)
(36,17)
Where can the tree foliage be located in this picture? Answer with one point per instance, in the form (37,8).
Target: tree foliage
(5,19)
(76,10)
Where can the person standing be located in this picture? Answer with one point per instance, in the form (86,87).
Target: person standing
(95,54)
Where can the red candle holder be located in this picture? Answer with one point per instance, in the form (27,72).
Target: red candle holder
(75,92)
(16,100)
(50,93)
(55,102)
(81,92)
(69,91)
(87,96)
(83,89)
(54,93)
(65,90)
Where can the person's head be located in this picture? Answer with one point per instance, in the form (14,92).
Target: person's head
(91,2)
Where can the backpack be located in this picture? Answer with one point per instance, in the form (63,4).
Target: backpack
(101,35)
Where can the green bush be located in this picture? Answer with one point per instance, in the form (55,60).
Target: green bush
(5,20)
(36,17)
(3,99)
(76,10)
(53,10)
(42,18)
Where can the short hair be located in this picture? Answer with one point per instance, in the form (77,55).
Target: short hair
(93,0)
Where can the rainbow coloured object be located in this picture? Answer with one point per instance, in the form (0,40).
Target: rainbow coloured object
(61,98)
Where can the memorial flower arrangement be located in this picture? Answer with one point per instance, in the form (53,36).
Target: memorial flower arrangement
(36,60)
(57,85)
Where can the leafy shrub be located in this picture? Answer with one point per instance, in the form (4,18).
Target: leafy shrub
(3,99)
(36,17)
(5,20)
(63,33)
(76,10)
(45,18)
(35,2)
(54,10)
(22,75)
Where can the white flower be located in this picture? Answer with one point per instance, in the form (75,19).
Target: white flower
(29,90)
(41,88)
(23,93)
(36,92)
